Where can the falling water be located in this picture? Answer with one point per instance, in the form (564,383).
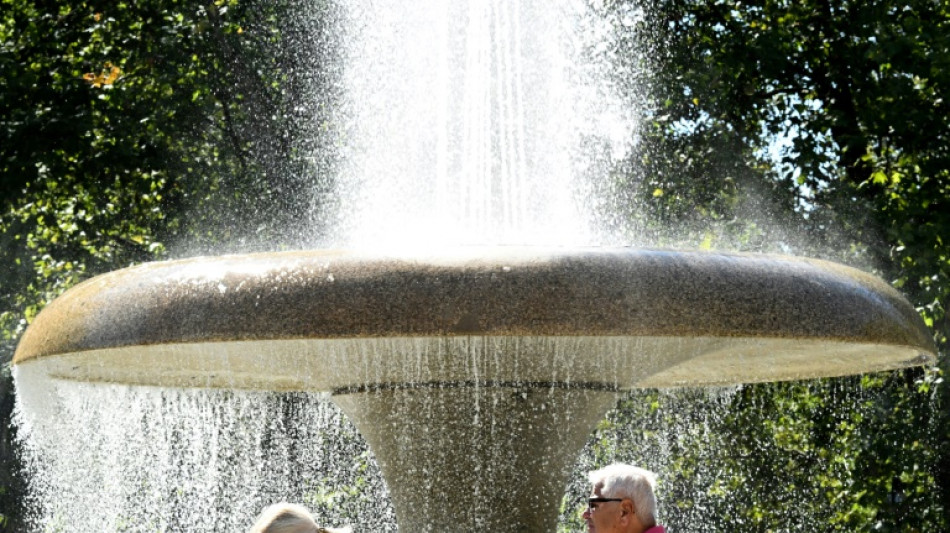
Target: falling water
(145,459)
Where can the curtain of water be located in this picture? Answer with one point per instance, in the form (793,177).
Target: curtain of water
(116,458)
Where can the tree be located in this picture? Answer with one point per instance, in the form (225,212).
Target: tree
(856,93)
(133,128)
(857,90)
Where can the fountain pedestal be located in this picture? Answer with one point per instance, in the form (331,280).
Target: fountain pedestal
(492,457)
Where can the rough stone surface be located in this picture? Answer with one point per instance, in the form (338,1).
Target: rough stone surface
(315,320)
(463,458)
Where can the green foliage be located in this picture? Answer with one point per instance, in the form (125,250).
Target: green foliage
(818,128)
(129,128)
(861,450)
(857,91)
(851,454)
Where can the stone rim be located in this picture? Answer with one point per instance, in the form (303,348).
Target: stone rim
(475,292)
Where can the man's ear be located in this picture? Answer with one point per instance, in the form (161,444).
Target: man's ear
(628,512)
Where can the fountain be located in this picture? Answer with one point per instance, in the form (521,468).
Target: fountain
(475,373)
(510,353)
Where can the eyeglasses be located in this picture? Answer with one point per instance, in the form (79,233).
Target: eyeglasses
(592,502)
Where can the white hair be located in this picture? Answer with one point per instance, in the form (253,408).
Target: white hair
(626,481)
(290,518)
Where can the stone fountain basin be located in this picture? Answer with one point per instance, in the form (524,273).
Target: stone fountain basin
(602,318)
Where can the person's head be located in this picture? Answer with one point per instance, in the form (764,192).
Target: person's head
(622,500)
(289,518)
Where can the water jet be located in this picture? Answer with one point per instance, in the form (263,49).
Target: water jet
(507,352)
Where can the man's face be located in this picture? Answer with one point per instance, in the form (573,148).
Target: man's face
(602,517)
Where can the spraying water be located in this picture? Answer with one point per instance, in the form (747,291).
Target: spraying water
(475,123)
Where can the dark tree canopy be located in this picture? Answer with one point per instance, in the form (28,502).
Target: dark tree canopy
(857,91)
(830,119)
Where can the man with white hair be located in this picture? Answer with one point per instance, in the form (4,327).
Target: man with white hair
(622,500)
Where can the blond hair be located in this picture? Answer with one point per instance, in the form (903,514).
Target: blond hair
(290,518)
